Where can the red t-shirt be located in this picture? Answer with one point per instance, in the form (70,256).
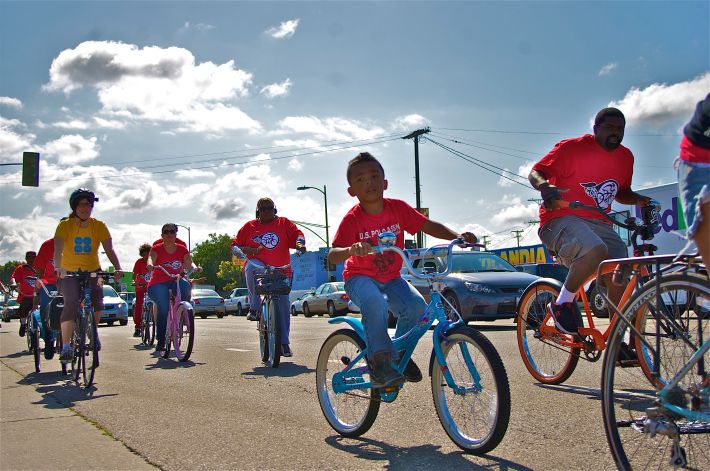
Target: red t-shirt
(690,152)
(172,262)
(592,175)
(277,237)
(24,277)
(45,262)
(141,275)
(358,226)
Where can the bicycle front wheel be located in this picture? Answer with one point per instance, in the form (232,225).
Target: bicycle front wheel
(261,326)
(639,431)
(475,414)
(91,344)
(78,346)
(274,332)
(547,360)
(33,334)
(184,338)
(353,412)
(148,330)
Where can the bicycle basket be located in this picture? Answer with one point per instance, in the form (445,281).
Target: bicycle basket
(272,283)
(55,311)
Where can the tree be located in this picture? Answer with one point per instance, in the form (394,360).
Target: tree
(231,275)
(209,254)
(7,269)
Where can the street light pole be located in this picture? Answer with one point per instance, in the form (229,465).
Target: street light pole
(325,201)
(189,244)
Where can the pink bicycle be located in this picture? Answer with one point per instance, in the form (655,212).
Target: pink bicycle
(180,329)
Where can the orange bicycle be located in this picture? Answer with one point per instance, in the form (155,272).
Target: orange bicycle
(551,355)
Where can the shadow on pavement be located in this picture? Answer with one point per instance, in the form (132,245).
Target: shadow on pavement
(426,456)
(59,391)
(170,363)
(285,370)
(591,393)
(486,327)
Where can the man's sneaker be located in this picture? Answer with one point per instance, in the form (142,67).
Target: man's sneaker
(382,373)
(137,332)
(160,347)
(627,357)
(252,316)
(49,350)
(23,329)
(412,373)
(67,355)
(567,317)
(286,350)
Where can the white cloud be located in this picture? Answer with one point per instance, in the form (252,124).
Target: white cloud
(197,173)
(285,30)
(161,85)
(660,103)
(520,176)
(408,122)
(72,149)
(330,128)
(10,102)
(277,89)
(201,27)
(514,211)
(12,141)
(295,165)
(608,69)
(73,124)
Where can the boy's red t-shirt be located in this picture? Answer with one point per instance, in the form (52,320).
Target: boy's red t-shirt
(24,277)
(358,226)
(141,275)
(591,175)
(45,262)
(172,262)
(277,237)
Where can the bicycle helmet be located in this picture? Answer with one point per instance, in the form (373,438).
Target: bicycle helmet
(81,193)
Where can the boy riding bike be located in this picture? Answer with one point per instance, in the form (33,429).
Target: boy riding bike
(368,277)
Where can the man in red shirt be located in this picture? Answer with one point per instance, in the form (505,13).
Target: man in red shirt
(596,170)
(24,276)
(267,239)
(44,267)
(141,277)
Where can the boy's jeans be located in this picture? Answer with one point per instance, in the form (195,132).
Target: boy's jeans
(403,300)
(255,302)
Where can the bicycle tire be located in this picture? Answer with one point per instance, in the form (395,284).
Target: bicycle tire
(148,326)
(91,352)
(168,333)
(545,359)
(263,334)
(33,334)
(349,414)
(490,406)
(274,332)
(627,396)
(679,292)
(185,337)
(58,349)
(77,348)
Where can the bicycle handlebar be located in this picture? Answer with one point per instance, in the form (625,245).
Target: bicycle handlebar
(184,274)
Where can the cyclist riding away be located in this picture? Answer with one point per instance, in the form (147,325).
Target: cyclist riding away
(141,276)
(268,239)
(596,170)
(24,280)
(44,267)
(368,277)
(76,248)
(175,258)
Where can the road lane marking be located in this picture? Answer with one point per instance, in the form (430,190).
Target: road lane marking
(238,350)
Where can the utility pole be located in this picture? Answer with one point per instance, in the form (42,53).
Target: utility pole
(517,233)
(415,135)
(484,241)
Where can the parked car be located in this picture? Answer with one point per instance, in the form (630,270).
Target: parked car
(237,302)
(207,301)
(115,307)
(130,298)
(481,285)
(328,298)
(545,270)
(297,304)
(9,311)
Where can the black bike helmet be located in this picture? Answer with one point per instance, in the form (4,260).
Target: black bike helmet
(81,193)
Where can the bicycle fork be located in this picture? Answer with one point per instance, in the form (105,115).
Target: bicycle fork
(450,382)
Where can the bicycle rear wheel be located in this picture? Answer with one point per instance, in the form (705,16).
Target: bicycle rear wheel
(685,305)
(631,413)
(33,334)
(78,347)
(185,336)
(91,355)
(350,413)
(476,416)
(169,332)
(148,326)
(274,332)
(544,357)
(263,333)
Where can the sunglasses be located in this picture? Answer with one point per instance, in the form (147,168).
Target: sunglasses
(170,231)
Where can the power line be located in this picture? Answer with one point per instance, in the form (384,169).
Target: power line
(542,133)
(467,142)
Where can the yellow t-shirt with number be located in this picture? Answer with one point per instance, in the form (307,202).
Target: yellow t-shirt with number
(81,244)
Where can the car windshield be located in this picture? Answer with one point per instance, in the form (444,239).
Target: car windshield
(196,293)
(471,262)
(109,291)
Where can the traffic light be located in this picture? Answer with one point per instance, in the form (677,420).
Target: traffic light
(30,169)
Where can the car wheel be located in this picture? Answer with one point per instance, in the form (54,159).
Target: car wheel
(307,311)
(293,311)
(240,311)
(219,316)
(203,316)
(109,323)
(332,312)
(597,302)
(453,300)
(123,322)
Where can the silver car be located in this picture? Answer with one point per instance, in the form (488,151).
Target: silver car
(328,298)
(207,301)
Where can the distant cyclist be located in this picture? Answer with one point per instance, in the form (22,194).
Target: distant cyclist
(141,276)
(23,276)
(175,258)
(267,239)
(76,247)
(44,265)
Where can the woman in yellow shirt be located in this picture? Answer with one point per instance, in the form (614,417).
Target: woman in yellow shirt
(76,248)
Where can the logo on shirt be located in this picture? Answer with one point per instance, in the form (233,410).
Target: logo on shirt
(82,245)
(269,240)
(175,264)
(603,193)
(30,280)
(146,276)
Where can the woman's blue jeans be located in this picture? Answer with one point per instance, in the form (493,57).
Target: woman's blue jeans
(284,304)
(160,295)
(403,300)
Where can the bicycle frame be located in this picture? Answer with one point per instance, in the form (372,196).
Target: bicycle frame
(172,326)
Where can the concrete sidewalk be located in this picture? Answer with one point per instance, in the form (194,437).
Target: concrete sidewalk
(34,436)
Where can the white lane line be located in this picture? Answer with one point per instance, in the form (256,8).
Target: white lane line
(237,350)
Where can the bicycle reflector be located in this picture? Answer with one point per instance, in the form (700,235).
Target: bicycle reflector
(650,215)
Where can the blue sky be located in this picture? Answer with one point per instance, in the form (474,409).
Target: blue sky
(191,111)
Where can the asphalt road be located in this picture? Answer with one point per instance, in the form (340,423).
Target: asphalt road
(224,410)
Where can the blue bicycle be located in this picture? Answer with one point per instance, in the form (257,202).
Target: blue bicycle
(468,380)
